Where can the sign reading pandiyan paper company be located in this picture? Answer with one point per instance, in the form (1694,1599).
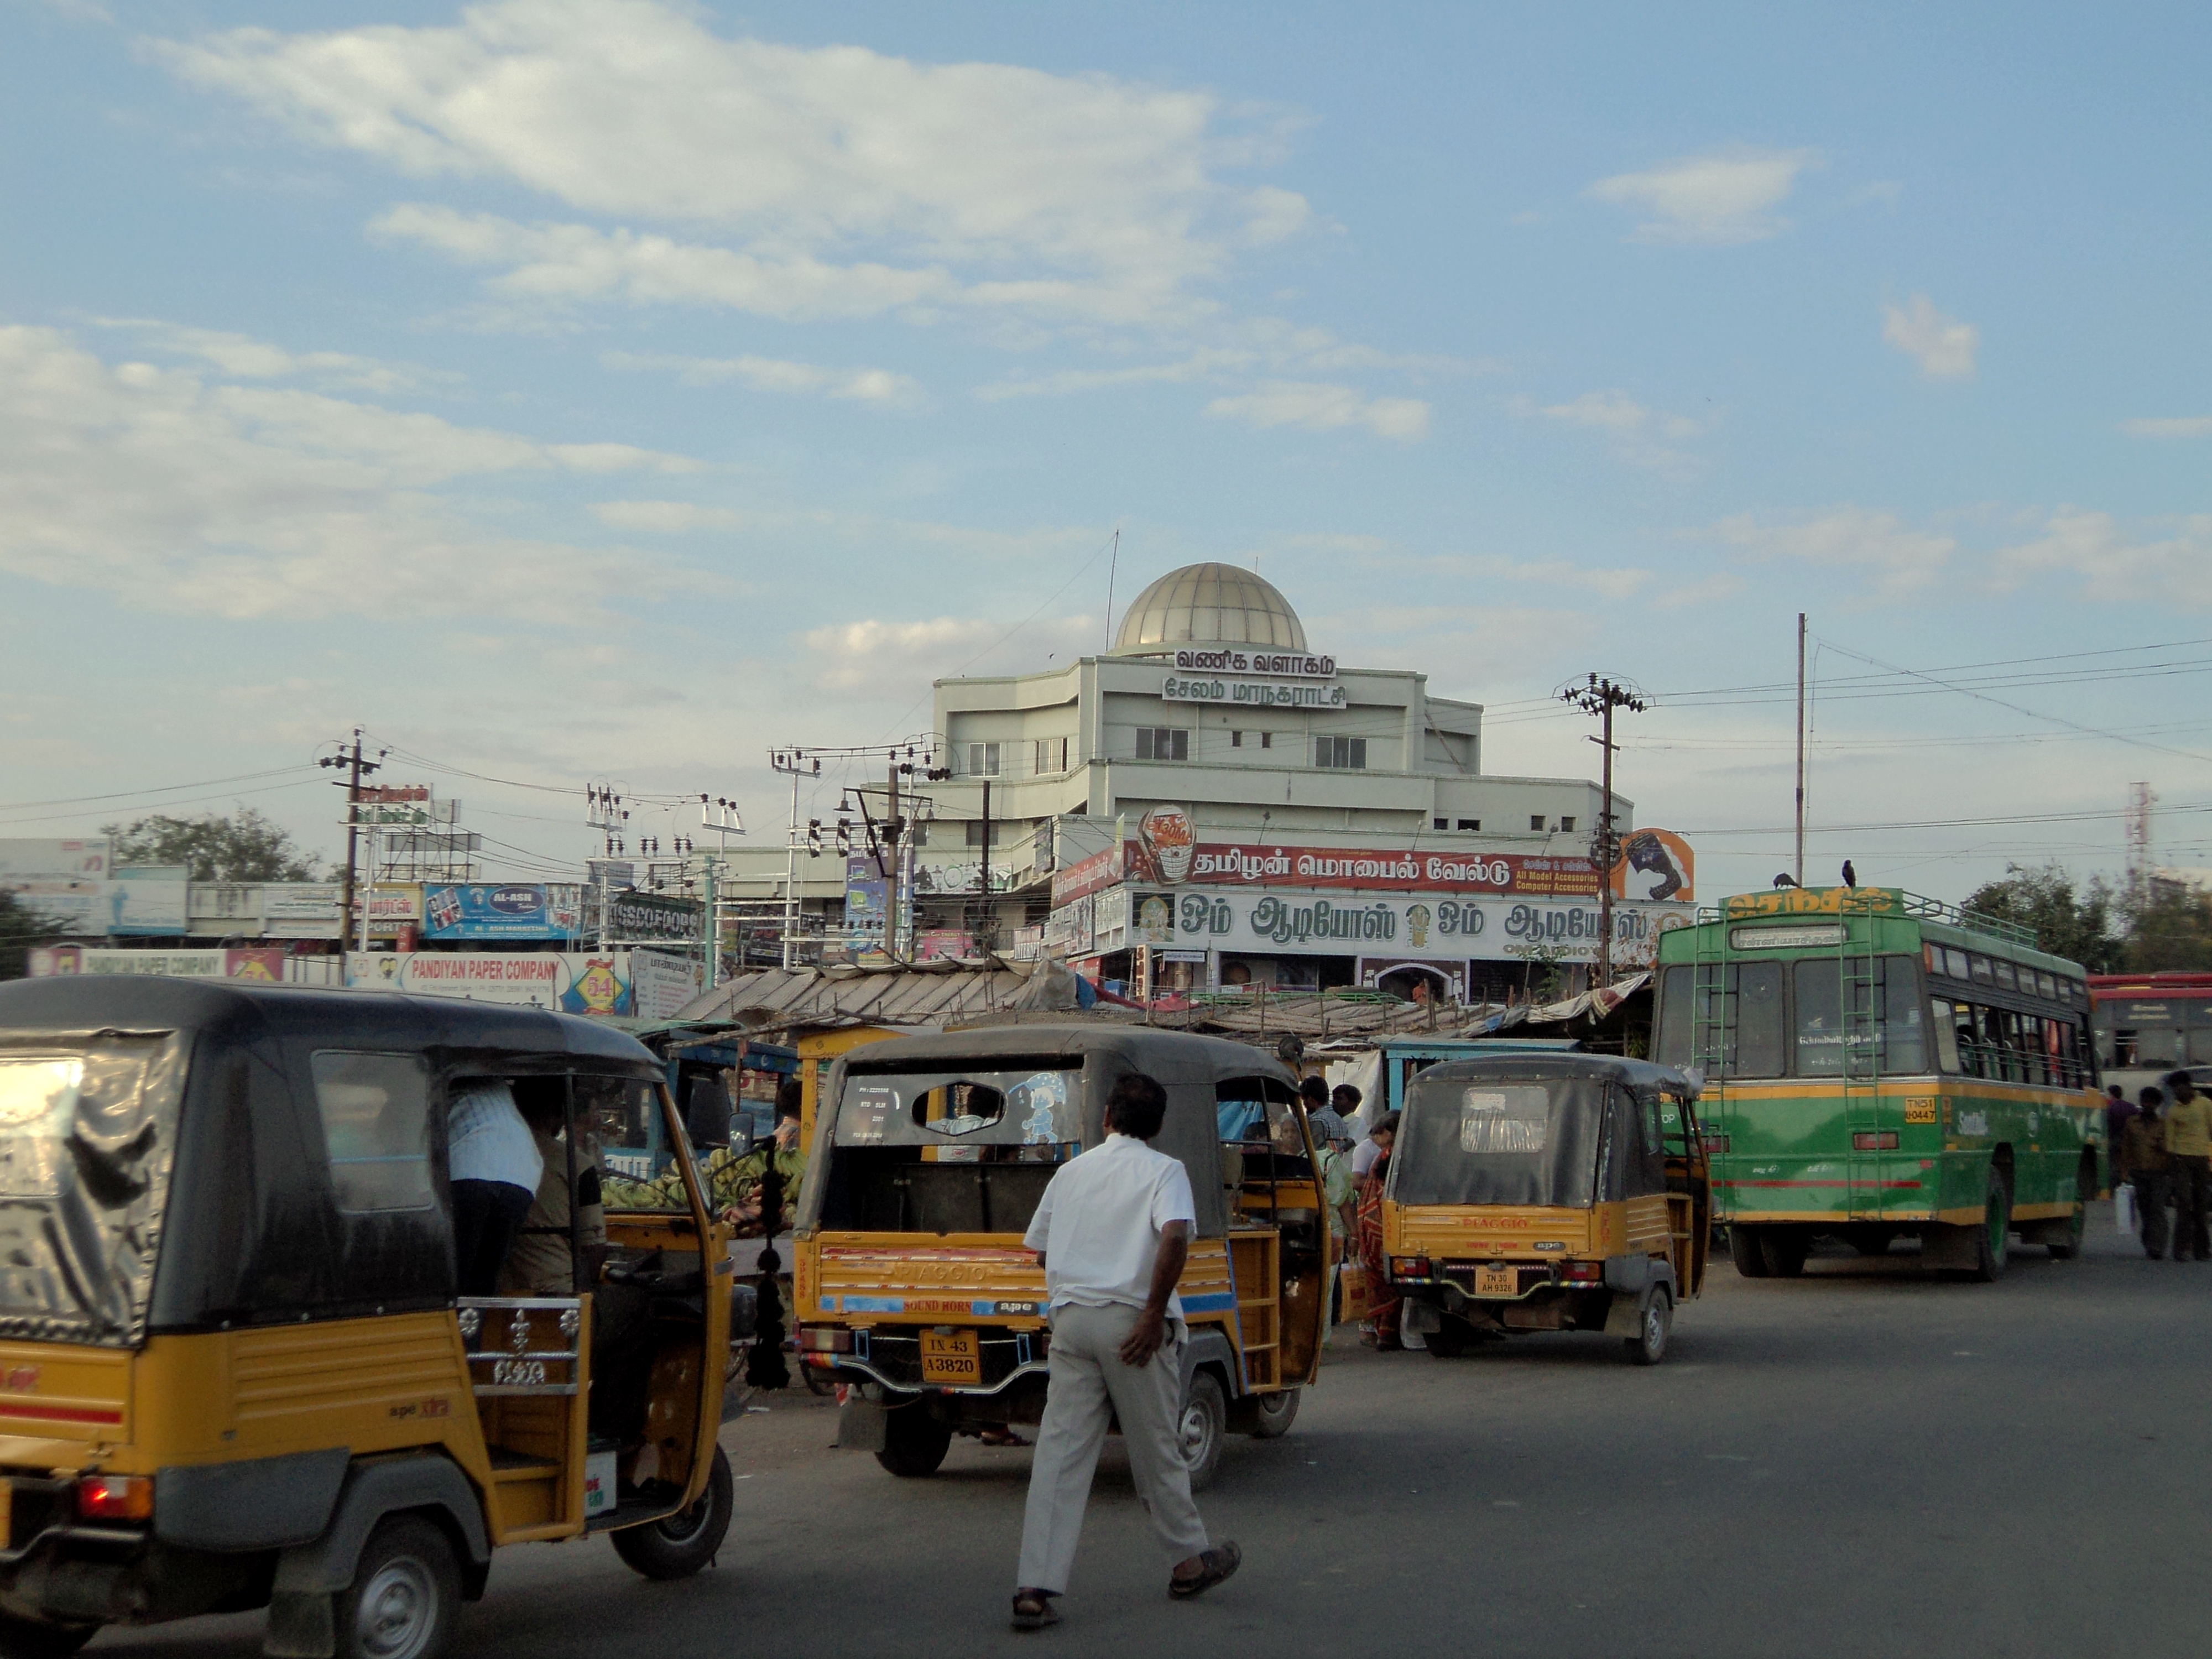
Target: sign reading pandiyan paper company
(1254,694)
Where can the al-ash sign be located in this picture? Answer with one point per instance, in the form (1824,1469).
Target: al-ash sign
(500,910)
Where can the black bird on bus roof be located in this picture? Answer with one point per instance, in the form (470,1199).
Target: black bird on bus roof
(1850,876)
(1785,880)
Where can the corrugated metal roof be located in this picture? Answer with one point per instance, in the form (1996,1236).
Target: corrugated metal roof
(932,994)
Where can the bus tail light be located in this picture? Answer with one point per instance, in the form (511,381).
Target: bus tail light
(1872,1140)
(115,1498)
(1715,1143)
(1414,1267)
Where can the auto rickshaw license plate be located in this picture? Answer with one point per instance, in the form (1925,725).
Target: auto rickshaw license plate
(951,1359)
(1496,1281)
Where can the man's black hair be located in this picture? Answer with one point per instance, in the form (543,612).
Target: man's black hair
(1138,1106)
(2150,1096)
(1314,1092)
(790,1098)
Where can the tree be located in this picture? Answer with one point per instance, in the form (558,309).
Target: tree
(20,928)
(2169,926)
(2083,923)
(244,846)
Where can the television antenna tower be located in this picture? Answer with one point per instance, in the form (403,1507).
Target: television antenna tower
(2140,799)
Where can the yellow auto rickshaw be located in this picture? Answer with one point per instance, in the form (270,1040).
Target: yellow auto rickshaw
(235,1370)
(1547,1191)
(929,1160)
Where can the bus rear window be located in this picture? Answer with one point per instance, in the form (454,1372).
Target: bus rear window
(1880,1025)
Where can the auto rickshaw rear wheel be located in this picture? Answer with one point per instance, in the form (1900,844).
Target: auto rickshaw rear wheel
(914,1443)
(1202,1428)
(1649,1345)
(1451,1339)
(680,1545)
(1265,1416)
(405,1593)
(34,1638)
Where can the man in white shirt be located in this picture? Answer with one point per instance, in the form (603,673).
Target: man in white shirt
(493,1163)
(1112,1233)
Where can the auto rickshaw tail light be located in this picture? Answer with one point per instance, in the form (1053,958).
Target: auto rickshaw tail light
(826,1339)
(1586,1273)
(1411,1266)
(115,1498)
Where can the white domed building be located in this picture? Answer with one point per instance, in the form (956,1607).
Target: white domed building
(1218,800)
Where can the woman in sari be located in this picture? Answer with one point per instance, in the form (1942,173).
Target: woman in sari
(1383,1309)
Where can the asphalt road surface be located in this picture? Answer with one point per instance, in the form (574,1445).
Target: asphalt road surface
(1863,1461)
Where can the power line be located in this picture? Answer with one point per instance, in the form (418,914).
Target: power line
(147,793)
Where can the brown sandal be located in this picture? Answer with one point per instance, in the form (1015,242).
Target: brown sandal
(1215,1564)
(1033,1609)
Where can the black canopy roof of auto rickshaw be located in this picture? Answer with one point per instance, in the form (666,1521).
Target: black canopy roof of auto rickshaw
(192,1187)
(1548,1063)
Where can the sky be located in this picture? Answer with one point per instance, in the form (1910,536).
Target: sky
(575,390)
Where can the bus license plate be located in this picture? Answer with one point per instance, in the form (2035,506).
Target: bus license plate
(951,1359)
(1496,1281)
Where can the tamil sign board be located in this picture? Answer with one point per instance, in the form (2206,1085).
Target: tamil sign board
(662,984)
(52,860)
(301,909)
(1423,926)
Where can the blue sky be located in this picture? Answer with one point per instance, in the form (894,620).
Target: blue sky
(588,390)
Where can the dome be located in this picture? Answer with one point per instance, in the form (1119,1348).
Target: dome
(1209,604)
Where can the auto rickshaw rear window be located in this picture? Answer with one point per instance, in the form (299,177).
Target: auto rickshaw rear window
(375,1110)
(1499,1142)
(1026,1108)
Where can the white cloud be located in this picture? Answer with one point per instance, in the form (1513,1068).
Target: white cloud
(1643,435)
(1317,407)
(1901,560)
(1943,346)
(1722,197)
(258,502)
(665,518)
(871,386)
(2174,569)
(2169,426)
(874,652)
(242,358)
(847,182)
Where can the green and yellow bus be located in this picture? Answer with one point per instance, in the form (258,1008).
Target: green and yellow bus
(1877,1065)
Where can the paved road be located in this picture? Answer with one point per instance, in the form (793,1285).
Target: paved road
(1861,1463)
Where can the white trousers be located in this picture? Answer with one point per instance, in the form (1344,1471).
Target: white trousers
(1087,1384)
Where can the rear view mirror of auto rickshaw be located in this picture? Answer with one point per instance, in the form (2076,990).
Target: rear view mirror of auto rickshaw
(912,1281)
(1557,1192)
(240,1369)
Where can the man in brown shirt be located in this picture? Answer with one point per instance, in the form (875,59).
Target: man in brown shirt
(2146,1166)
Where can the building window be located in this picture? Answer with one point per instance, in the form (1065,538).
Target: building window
(1350,752)
(1051,755)
(1567,826)
(1466,823)
(982,760)
(1444,823)
(1162,743)
(1536,821)
(1236,739)
(975,832)
(1267,740)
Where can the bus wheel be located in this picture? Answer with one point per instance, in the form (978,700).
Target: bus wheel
(1990,1244)
(405,1593)
(1202,1428)
(1649,1345)
(1743,1250)
(2084,1188)
(34,1638)
(1786,1249)
(914,1443)
(680,1545)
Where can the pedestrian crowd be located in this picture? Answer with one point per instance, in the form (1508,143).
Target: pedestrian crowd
(2162,1145)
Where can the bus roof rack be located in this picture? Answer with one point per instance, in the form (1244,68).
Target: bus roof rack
(1895,901)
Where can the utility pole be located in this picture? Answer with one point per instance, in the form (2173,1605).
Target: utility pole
(356,768)
(894,830)
(1800,871)
(1600,698)
(798,763)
